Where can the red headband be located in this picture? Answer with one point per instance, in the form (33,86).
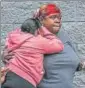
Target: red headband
(50,9)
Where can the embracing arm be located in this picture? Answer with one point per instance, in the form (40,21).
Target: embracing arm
(49,42)
(6,55)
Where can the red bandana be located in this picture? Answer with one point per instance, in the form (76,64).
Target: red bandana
(50,9)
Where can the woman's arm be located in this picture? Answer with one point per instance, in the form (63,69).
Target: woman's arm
(6,55)
(49,42)
(3,71)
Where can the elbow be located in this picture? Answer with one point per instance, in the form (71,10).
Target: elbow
(61,48)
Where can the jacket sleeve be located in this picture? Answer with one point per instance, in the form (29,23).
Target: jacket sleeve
(51,44)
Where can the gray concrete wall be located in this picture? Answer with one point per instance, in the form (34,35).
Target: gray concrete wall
(73,22)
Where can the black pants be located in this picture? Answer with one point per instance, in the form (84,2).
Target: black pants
(14,81)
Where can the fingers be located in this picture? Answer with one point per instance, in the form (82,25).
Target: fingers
(83,64)
(2,79)
(6,56)
(4,69)
(3,73)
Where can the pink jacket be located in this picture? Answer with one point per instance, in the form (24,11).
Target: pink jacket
(29,52)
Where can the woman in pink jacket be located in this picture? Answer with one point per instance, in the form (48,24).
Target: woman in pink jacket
(26,66)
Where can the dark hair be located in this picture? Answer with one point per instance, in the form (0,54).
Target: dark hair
(30,25)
